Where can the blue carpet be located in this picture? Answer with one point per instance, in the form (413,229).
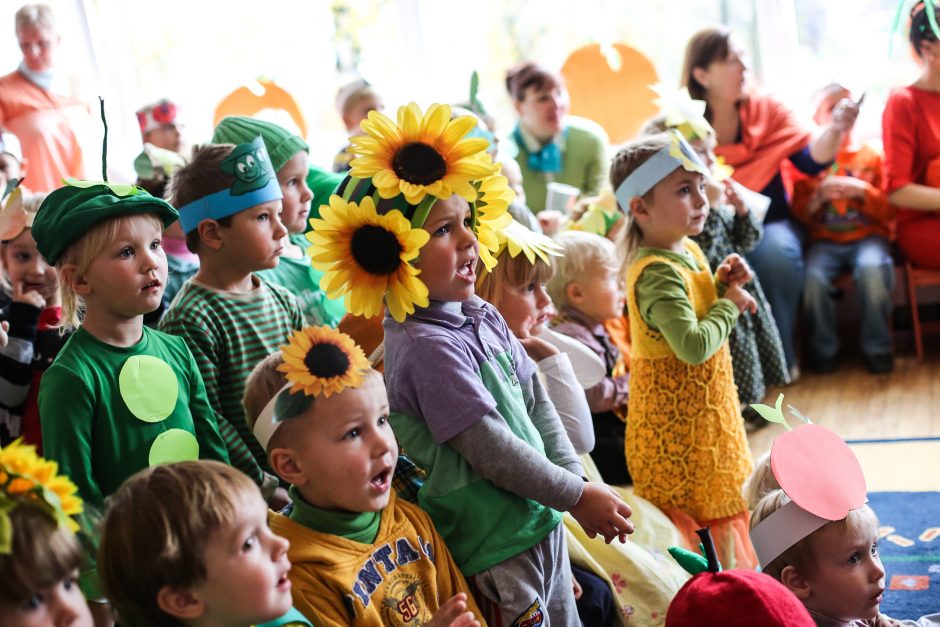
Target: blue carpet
(912,564)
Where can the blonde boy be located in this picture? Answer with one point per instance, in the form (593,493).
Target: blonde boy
(230,207)
(188,544)
(354,101)
(361,556)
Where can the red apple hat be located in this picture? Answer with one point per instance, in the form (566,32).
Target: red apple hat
(820,474)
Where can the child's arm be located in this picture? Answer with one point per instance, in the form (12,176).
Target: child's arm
(542,412)
(569,399)
(746,229)
(16,353)
(205,421)
(665,306)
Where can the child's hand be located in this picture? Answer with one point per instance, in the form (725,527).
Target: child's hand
(601,511)
(739,296)
(836,187)
(732,198)
(454,614)
(551,221)
(734,270)
(537,348)
(4,338)
(844,114)
(30,297)
(578,591)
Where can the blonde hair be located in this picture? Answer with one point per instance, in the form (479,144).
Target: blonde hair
(802,555)
(155,534)
(582,253)
(81,253)
(760,482)
(35,15)
(510,273)
(630,157)
(351,94)
(42,554)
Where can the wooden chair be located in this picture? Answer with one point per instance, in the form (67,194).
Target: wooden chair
(920,277)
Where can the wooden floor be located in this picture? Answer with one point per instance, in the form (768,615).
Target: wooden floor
(858,405)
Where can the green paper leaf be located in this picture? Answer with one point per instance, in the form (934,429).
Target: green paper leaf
(772,414)
(119,189)
(6,533)
(692,563)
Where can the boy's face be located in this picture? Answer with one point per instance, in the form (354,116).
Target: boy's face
(60,604)
(359,112)
(526,308)
(246,568)
(292,177)
(448,261)
(167,137)
(848,580)
(253,239)
(599,295)
(346,450)
(128,276)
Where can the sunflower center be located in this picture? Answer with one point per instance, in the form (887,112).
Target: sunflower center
(419,164)
(376,250)
(326,360)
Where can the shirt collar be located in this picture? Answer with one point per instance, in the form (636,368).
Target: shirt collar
(572,314)
(451,314)
(532,144)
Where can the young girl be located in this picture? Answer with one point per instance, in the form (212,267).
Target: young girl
(41,558)
(120,396)
(685,439)
(33,315)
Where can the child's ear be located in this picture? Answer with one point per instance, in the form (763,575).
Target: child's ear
(638,207)
(210,233)
(285,466)
(77,282)
(181,604)
(795,583)
(575,293)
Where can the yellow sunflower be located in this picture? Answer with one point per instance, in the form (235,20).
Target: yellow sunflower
(321,360)
(422,155)
(365,256)
(492,215)
(26,475)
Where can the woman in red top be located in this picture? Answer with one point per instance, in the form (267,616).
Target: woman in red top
(911,129)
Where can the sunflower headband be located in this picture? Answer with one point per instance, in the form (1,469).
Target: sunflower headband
(370,233)
(25,477)
(678,154)
(517,239)
(317,361)
(820,474)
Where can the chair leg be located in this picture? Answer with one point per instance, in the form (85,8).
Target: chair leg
(915,313)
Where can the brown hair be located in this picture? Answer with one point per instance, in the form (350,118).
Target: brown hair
(530,75)
(511,272)
(155,533)
(704,48)
(42,554)
(630,157)
(199,178)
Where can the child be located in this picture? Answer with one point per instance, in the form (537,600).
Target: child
(466,403)
(360,555)
(41,558)
(230,205)
(685,441)
(33,315)
(289,159)
(189,544)
(159,127)
(757,353)
(587,290)
(849,222)
(120,396)
(354,101)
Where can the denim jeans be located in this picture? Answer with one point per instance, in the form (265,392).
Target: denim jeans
(778,262)
(869,261)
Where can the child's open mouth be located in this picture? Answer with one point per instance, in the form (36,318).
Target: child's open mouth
(152,286)
(466,271)
(382,481)
(283,583)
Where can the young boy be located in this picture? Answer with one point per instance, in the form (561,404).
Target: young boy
(230,206)
(354,101)
(466,402)
(586,290)
(158,125)
(360,555)
(289,158)
(189,544)
(850,223)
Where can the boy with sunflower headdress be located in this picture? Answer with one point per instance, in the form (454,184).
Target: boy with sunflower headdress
(464,398)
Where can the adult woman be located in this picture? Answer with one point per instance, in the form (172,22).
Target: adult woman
(911,129)
(755,135)
(40,108)
(548,144)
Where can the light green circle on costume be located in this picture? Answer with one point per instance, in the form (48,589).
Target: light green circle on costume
(174,445)
(149,387)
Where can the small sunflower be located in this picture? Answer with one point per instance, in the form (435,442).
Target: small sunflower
(365,256)
(492,215)
(422,155)
(321,360)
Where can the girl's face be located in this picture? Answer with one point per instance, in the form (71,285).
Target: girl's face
(27,269)
(525,308)
(678,207)
(725,79)
(542,111)
(56,606)
(292,177)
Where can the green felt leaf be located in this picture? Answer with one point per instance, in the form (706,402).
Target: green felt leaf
(692,563)
(772,414)
(119,189)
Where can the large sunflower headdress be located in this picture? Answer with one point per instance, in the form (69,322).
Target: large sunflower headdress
(25,477)
(318,361)
(370,233)
(516,239)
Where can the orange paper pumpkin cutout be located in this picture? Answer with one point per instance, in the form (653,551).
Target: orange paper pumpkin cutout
(244,101)
(610,85)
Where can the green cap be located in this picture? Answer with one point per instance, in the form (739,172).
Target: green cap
(69,212)
(281,145)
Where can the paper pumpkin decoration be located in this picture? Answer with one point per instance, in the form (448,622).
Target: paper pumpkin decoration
(245,101)
(611,85)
